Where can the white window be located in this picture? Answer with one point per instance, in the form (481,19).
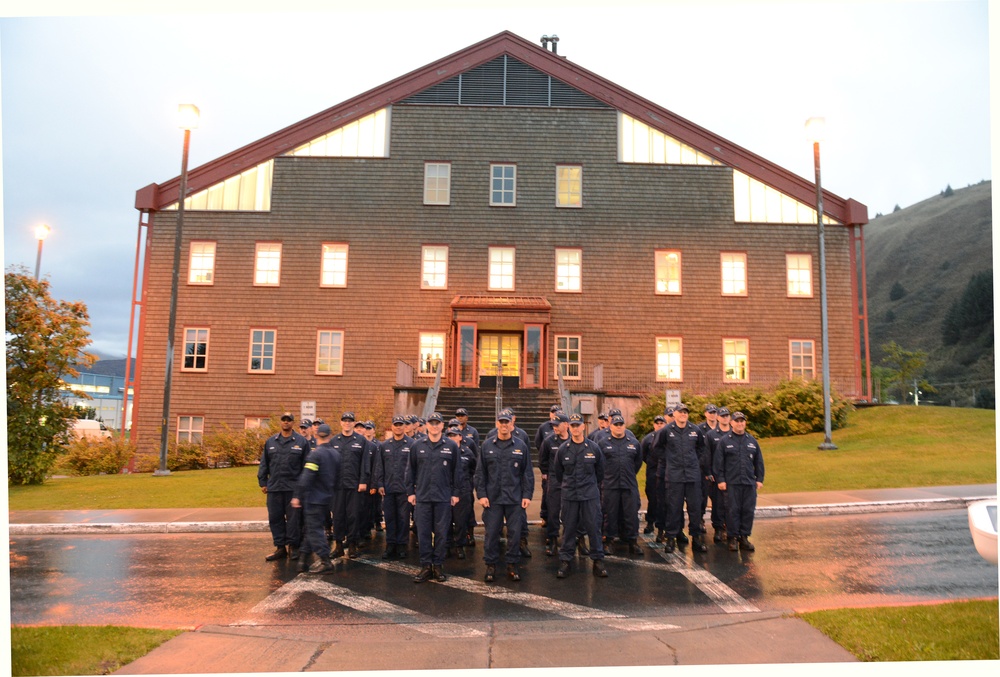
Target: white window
(254,422)
(365,137)
(638,142)
(261,351)
(329,352)
(201,263)
(756,202)
(802,358)
(247,191)
(799,267)
(667,263)
(431,353)
(334,266)
(501,268)
(736,360)
(195,349)
(569,186)
(437,183)
(434,267)
(503,185)
(734,273)
(190,429)
(568,269)
(568,357)
(267,264)
(668,358)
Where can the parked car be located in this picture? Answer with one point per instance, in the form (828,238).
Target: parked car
(983,525)
(89,428)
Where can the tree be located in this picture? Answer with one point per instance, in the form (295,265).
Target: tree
(904,366)
(972,313)
(948,192)
(897,292)
(45,341)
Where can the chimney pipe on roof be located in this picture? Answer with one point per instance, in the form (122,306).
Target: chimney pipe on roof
(545,42)
(555,42)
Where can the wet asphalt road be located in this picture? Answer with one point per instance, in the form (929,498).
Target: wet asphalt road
(189,580)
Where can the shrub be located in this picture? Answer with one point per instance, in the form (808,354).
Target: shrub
(180,456)
(226,447)
(789,408)
(97,456)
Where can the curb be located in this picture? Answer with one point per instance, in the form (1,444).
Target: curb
(763,512)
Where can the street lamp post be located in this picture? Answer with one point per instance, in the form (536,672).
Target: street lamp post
(814,128)
(41,232)
(187,120)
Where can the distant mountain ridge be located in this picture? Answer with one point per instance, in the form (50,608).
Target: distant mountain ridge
(919,262)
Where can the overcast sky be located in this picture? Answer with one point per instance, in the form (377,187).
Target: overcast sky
(89,102)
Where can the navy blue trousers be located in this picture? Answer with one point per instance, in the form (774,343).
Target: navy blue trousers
(677,493)
(283,519)
(652,495)
(459,534)
(314,538)
(741,503)
(432,519)
(718,504)
(348,511)
(621,511)
(494,517)
(576,515)
(397,518)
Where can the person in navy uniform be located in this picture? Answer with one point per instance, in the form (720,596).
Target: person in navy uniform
(433,480)
(505,484)
(620,489)
(602,425)
(352,489)
(684,450)
(281,461)
(522,434)
(719,496)
(709,488)
(472,439)
(651,461)
(458,535)
(390,475)
(313,493)
(543,431)
(372,510)
(739,469)
(579,470)
(546,455)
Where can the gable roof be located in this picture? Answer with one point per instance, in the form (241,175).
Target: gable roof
(158,196)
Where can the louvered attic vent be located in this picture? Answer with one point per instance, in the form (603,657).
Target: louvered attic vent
(505,81)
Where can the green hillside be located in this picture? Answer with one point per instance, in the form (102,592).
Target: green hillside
(920,261)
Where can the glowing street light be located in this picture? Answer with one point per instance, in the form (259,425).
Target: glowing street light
(814,130)
(41,232)
(187,119)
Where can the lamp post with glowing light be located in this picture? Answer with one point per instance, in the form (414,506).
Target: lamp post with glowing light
(814,130)
(41,232)
(187,119)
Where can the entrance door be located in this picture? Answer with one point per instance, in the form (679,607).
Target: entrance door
(503,350)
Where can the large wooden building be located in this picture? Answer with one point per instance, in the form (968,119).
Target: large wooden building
(501,202)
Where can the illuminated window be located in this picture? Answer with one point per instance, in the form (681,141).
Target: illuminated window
(755,202)
(569,186)
(434,267)
(640,143)
(249,191)
(365,137)
(568,357)
(503,182)
(195,349)
(668,358)
(668,271)
(254,422)
(190,429)
(568,269)
(334,266)
(201,263)
(437,183)
(431,353)
(734,274)
(501,268)
(736,360)
(267,264)
(329,352)
(802,358)
(261,351)
(799,268)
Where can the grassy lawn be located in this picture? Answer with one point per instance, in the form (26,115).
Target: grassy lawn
(936,632)
(80,650)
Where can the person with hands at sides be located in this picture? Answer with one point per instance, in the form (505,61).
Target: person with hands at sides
(739,470)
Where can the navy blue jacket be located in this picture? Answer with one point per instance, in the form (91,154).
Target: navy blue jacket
(738,459)
(622,460)
(281,461)
(471,435)
(504,474)
(547,452)
(319,475)
(579,470)
(469,459)
(543,431)
(712,438)
(390,465)
(355,460)
(684,451)
(433,474)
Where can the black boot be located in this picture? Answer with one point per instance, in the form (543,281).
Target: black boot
(669,545)
(513,573)
(338,550)
(460,552)
(720,534)
(293,552)
(733,544)
(633,547)
(682,539)
(305,560)
(661,537)
(472,537)
(550,547)
(745,544)
(599,569)
(390,551)
(352,551)
(491,573)
(279,553)
(648,530)
(401,552)
(425,574)
(698,543)
(439,574)
(563,569)
(524,548)
(323,566)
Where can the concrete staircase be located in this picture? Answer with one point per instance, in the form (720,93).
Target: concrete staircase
(531,405)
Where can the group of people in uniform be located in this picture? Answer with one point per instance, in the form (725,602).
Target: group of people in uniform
(326,493)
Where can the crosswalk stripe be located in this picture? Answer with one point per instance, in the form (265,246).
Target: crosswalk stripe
(286,595)
(724,597)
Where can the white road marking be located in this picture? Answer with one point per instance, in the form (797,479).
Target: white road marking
(287,594)
(724,597)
